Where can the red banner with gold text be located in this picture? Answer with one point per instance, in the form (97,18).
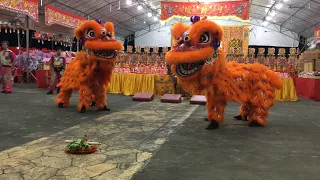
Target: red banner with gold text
(27,7)
(316,34)
(238,9)
(54,15)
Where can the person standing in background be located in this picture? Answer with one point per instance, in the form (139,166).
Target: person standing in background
(7,58)
(58,63)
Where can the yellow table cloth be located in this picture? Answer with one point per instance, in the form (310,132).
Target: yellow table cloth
(129,84)
(288,91)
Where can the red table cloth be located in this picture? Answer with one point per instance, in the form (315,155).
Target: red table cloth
(42,78)
(308,88)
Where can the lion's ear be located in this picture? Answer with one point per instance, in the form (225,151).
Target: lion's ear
(178,29)
(91,24)
(79,33)
(110,27)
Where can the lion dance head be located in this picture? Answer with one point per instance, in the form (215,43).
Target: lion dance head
(194,45)
(99,41)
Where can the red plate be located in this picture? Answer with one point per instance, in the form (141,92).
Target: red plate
(87,151)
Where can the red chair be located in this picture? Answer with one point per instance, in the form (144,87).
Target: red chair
(14,50)
(19,75)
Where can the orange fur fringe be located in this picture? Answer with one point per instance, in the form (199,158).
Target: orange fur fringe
(88,73)
(253,85)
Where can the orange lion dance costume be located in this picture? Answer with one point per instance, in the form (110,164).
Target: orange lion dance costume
(91,70)
(200,65)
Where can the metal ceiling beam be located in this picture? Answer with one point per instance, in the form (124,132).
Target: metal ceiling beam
(295,12)
(48,2)
(82,4)
(314,25)
(117,23)
(132,17)
(283,31)
(315,1)
(105,5)
(81,13)
(275,2)
(123,35)
(98,9)
(281,13)
(257,24)
(145,4)
(123,10)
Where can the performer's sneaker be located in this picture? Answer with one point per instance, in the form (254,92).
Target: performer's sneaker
(3,91)
(254,124)
(213,125)
(50,92)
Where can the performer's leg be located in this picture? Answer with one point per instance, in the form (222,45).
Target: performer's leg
(64,97)
(54,85)
(243,113)
(58,81)
(257,116)
(262,98)
(85,98)
(215,107)
(100,98)
(2,71)
(6,74)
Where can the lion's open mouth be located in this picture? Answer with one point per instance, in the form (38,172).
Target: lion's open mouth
(188,69)
(107,54)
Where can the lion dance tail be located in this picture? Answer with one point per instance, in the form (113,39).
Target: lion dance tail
(274,79)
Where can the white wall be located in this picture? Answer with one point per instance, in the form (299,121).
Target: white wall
(160,35)
(120,39)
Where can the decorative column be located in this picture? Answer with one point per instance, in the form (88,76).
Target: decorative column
(251,58)
(261,57)
(282,60)
(270,60)
(292,60)
(27,46)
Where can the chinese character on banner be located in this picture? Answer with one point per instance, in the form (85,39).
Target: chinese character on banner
(238,9)
(54,15)
(26,7)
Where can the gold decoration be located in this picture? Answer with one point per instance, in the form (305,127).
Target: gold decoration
(138,49)
(129,49)
(155,50)
(147,49)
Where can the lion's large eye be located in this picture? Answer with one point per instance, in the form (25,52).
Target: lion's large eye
(179,40)
(204,38)
(90,33)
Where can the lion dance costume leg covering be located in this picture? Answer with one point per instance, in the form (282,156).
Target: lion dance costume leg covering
(200,65)
(91,70)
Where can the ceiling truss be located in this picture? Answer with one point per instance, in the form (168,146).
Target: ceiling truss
(133,20)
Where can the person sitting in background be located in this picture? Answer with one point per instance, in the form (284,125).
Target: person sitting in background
(7,58)
(58,63)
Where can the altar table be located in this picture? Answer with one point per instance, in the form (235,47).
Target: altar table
(288,91)
(129,84)
(308,88)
